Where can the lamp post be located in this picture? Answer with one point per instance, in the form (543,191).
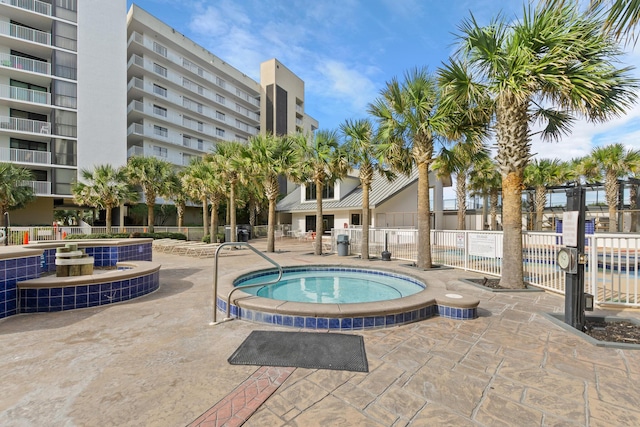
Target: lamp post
(6,228)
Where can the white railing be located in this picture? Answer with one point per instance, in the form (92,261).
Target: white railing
(40,188)
(25,125)
(26,64)
(135,128)
(32,5)
(16,235)
(25,33)
(26,95)
(611,264)
(25,156)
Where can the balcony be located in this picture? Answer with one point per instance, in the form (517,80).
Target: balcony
(25,156)
(25,33)
(25,64)
(25,95)
(40,188)
(30,5)
(171,157)
(25,125)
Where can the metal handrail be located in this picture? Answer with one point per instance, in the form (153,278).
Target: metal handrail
(215,278)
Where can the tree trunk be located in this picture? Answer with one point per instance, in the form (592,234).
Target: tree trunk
(611,193)
(232,211)
(493,203)
(461,196)
(364,250)
(424,217)
(271,234)
(150,215)
(513,276)
(633,205)
(108,219)
(180,207)
(205,216)
(214,220)
(539,202)
(319,223)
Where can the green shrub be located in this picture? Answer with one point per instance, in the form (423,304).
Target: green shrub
(206,238)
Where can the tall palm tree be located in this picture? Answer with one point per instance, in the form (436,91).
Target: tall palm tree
(202,181)
(322,162)
(554,57)
(105,188)
(232,166)
(411,118)
(270,157)
(458,161)
(485,180)
(13,193)
(543,173)
(365,153)
(153,175)
(178,195)
(610,163)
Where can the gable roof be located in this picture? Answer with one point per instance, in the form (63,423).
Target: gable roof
(381,190)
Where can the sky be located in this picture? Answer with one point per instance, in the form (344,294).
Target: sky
(346,50)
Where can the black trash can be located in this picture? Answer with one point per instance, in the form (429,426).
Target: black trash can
(343,244)
(243,235)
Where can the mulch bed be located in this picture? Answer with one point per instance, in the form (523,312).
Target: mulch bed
(610,331)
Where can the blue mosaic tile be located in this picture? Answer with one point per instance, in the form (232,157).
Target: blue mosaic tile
(390,320)
(400,318)
(379,321)
(358,323)
(322,323)
(334,323)
(310,322)
(298,322)
(346,323)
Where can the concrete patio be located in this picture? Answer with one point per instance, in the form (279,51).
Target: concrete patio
(156,361)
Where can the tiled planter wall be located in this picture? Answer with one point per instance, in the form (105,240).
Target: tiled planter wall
(11,272)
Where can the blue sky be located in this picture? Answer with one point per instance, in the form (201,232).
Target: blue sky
(345,50)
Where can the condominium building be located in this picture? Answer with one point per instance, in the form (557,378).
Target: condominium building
(182,99)
(84,83)
(61,87)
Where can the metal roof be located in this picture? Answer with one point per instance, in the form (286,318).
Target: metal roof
(381,190)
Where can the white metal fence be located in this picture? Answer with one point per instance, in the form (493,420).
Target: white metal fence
(611,264)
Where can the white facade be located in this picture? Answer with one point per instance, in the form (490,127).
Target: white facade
(102,91)
(182,99)
(61,93)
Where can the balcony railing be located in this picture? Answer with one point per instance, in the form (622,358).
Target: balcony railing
(171,157)
(26,64)
(26,95)
(32,5)
(40,188)
(25,156)
(25,125)
(25,33)
(135,128)
(135,105)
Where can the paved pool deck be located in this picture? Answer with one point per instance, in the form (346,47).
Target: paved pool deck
(156,361)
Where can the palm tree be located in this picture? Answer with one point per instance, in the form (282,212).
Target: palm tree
(178,195)
(202,181)
(552,57)
(270,157)
(485,180)
(13,193)
(365,153)
(322,162)
(232,166)
(612,162)
(458,161)
(105,188)
(411,118)
(543,173)
(154,176)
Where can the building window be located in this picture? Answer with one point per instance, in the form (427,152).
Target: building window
(327,191)
(220,82)
(159,90)
(159,69)
(200,145)
(161,131)
(160,111)
(159,49)
(220,116)
(186,141)
(220,132)
(160,151)
(219,98)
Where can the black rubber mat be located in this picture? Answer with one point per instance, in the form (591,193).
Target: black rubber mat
(302,350)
